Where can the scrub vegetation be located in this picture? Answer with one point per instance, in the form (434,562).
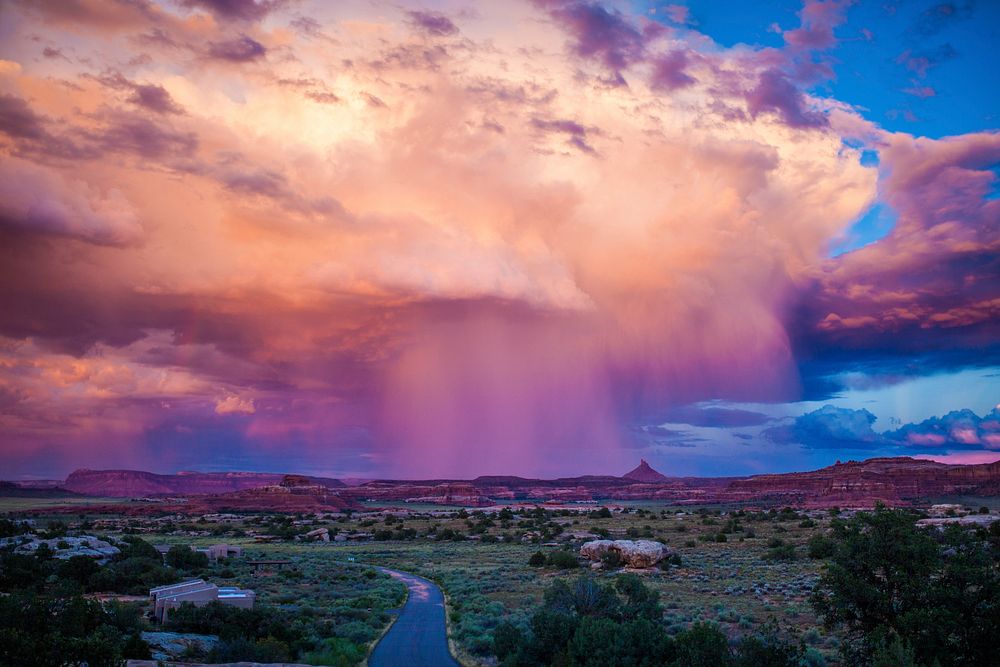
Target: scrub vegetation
(765,587)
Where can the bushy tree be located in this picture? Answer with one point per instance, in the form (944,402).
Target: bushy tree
(703,645)
(899,590)
(563,560)
(185,558)
(44,630)
(587,624)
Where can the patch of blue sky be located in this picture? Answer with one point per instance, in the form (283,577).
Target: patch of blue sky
(924,67)
(994,192)
(874,224)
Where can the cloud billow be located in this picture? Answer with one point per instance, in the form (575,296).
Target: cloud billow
(463,243)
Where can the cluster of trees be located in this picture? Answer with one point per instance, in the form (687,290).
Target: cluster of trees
(259,635)
(45,630)
(906,596)
(136,569)
(45,620)
(588,624)
(563,560)
(900,595)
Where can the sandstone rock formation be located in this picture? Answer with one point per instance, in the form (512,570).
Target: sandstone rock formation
(632,553)
(65,548)
(320,534)
(644,473)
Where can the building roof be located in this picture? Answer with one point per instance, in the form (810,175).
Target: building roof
(182,584)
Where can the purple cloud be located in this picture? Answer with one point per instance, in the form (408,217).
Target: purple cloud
(577,132)
(843,428)
(432,23)
(776,93)
(240,50)
(600,33)
(155,98)
(132,133)
(668,71)
(244,10)
(18,120)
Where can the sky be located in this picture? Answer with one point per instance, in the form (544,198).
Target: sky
(449,239)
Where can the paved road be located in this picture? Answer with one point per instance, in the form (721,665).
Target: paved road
(419,637)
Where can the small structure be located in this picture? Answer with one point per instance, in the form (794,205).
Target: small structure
(220,551)
(214,552)
(199,593)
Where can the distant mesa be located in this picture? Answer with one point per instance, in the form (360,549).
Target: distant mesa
(133,483)
(644,473)
(892,481)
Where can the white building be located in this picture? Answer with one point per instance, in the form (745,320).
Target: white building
(199,593)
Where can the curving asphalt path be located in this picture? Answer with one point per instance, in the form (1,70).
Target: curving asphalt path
(419,637)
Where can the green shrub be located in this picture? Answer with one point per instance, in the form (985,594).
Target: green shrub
(185,558)
(821,546)
(564,560)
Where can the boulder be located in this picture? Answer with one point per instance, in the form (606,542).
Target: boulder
(633,553)
(322,534)
(68,547)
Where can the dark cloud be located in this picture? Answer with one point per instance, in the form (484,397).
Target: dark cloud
(432,23)
(577,133)
(244,10)
(155,98)
(411,57)
(645,436)
(830,428)
(18,120)
(776,93)
(925,298)
(260,182)
(140,135)
(599,33)
(713,417)
(38,201)
(843,428)
(148,96)
(239,50)
(668,71)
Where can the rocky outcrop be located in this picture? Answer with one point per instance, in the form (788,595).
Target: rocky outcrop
(890,480)
(631,553)
(320,535)
(644,473)
(65,548)
(446,493)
